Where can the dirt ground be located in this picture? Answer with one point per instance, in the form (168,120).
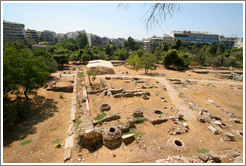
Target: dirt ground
(52,122)
(43,129)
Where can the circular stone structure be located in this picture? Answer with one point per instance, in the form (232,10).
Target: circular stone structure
(105,107)
(137,113)
(145,97)
(177,144)
(112,137)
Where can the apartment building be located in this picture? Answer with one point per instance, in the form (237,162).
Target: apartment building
(31,35)
(94,40)
(13,31)
(48,36)
(228,42)
(105,41)
(59,37)
(238,43)
(74,35)
(157,41)
(195,37)
(119,42)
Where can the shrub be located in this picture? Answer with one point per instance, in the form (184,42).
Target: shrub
(100,116)
(25,142)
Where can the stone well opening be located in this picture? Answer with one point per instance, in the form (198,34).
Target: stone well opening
(105,107)
(158,112)
(223,124)
(112,129)
(178,143)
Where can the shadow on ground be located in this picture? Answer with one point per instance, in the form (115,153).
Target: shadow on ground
(42,109)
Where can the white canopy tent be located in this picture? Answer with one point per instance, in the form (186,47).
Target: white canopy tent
(100,67)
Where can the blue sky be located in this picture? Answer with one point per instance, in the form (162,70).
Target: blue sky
(105,19)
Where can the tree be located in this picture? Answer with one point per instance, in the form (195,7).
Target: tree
(158,12)
(218,61)
(85,57)
(108,50)
(121,53)
(201,58)
(101,55)
(177,44)
(148,62)
(82,40)
(133,60)
(171,58)
(230,62)
(165,46)
(211,49)
(130,44)
(220,49)
(61,59)
(69,44)
(184,61)
(22,69)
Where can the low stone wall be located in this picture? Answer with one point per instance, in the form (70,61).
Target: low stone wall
(70,139)
(61,88)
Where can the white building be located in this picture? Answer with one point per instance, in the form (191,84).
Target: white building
(119,42)
(238,43)
(74,35)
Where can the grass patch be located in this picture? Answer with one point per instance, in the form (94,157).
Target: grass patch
(184,85)
(57,143)
(202,150)
(25,142)
(138,120)
(100,122)
(78,121)
(81,74)
(191,108)
(181,94)
(100,116)
(134,131)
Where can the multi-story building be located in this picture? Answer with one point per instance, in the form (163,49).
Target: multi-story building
(74,35)
(228,42)
(195,37)
(105,41)
(119,42)
(157,41)
(48,36)
(238,43)
(31,35)
(94,40)
(13,31)
(59,37)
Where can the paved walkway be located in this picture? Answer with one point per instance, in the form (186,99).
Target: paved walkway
(180,104)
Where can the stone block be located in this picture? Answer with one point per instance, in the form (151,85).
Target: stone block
(203,157)
(67,154)
(213,130)
(127,139)
(69,142)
